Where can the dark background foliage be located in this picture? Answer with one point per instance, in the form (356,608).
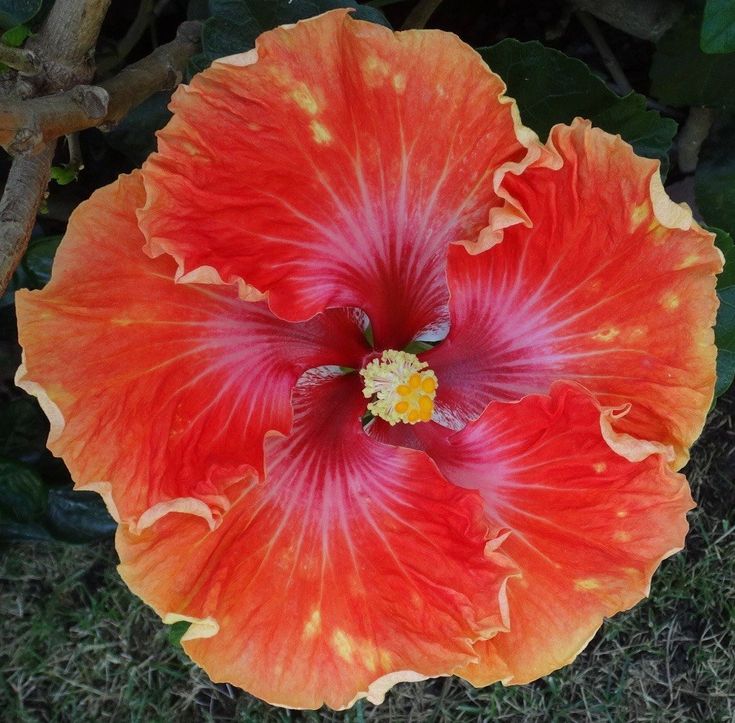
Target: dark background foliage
(671,96)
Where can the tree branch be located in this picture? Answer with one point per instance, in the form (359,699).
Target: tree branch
(420,14)
(27,125)
(64,48)
(24,192)
(605,51)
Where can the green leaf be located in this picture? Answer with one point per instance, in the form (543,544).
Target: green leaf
(78,516)
(135,135)
(63,175)
(725,326)
(17,12)
(23,429)
(681,74)
(39,259)
(235,24)
(718,27)
(177,631)
(22,493)
(23,531)
(725,341)
(724,242)
(714,187)
(551,88)
(15,37)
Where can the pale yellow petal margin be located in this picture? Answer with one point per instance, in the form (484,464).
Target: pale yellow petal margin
(56,429)
(185,505)
(55,417)
(510,212)
(199,628)
(376,691)
(627,446)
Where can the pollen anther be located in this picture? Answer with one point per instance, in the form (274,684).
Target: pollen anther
(401,388)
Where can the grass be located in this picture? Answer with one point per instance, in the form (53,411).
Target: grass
(77,646)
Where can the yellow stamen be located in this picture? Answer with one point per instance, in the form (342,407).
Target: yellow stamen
(401,388)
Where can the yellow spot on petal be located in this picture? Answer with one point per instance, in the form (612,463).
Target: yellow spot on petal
(385,659)
(320,133)
(342,643)
(670,301)
(313,626)
(639,214)
(621,536)
(688,261)
(586,583)
(599,467)
(621,513)
(658,233)
(608,334)
(399,82)
(375,70)
(637,333)
(303,98)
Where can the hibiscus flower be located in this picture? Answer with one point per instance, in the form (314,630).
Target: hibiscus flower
(377,386)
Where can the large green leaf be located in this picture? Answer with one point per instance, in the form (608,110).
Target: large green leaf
(39,259)
(22,493)
(235,24)
(551,88)
(681,74)
(715,178)
(16,12)
(78,516)
(718,27)
(725,326)
(725,340)
(134,135)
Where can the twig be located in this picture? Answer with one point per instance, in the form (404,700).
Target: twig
(130,39)
(24,192)
(420,14)
(26,125)
(76,160)
(693,133)
(161,70)
(19,58)
(606,53)
(647,20)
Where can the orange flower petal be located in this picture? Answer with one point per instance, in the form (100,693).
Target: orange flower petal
(353,566)
(159,394)
(330,186)
(612,285)
(587,528)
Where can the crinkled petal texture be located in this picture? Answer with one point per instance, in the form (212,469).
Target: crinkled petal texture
(159,394)
(342,158)
(610,284)
(352,566)
(586,527)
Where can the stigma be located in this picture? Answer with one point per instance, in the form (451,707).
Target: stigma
(401,388)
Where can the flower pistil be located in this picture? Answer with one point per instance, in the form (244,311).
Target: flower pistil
(402,388)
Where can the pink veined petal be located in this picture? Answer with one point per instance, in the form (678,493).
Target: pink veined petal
(351,567)
(331,187)
(586,527)
(159,394)
(610,284)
